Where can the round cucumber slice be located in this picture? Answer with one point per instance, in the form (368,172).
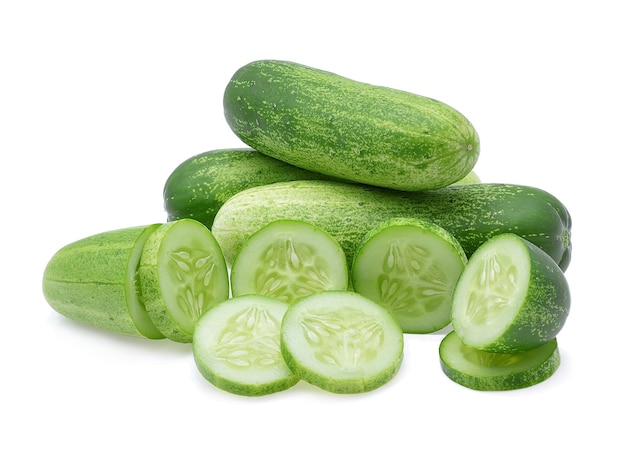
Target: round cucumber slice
(236,346)
(486,371)
(289,260)
(341,342)
(182,273)
(410,267)
(510,297)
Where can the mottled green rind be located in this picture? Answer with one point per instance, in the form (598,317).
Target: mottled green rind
(529,368)
(546,303)
(152,282)
(200,185)
(93,281)
(352,130)
(471,213)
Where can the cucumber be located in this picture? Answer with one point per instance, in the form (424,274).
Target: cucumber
(199,186)
(470,178)
(485,371)
(94,281)
(510,297)
(341,342)
(410,267)
(236,346)
(182,274)
(289,260)
(352,130)
(471,213)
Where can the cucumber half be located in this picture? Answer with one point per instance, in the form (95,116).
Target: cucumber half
(510,297)
(94,281)
(182,273)
(341,342)
(289,260)
(486,371)
(236,346)
(410,267)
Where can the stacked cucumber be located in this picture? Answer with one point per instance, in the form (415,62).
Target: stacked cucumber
(352,218)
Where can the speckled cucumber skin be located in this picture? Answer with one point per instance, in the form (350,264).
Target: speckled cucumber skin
(93,279)
(545,308)
(320,121)
(200,185)
(472,213)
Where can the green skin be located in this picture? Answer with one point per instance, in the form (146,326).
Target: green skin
(351,130)
(200,185)
(499,372)
(471,213)
(91,281)
(544,310)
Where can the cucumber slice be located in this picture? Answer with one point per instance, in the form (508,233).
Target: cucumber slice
(236,346)
(94,281)
(341,342)
(289,260)
(510,297)
(182,273)
(486,371)
(410,267)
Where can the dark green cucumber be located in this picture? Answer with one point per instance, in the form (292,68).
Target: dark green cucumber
(352,130)
(95,281)
(472,213)
(199,186)
(510,297)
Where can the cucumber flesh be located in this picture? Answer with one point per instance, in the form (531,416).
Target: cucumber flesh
(486,371)
(182,273)
(289,260)
(510,297)
(236,346)
(341,342)
(411,267)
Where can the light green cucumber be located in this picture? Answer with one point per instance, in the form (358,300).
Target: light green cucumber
(485,371)
(326,123)
(289,260)
(410,266)
(472,213)
(199,186)
(510,297)
(182,273)
(341,342)
(94,281)
(236,346)
(470,178)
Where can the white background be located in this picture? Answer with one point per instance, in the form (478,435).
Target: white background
(100,101)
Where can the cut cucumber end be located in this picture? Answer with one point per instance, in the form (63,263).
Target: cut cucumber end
(510,297)
(182,274)
(236,346)
(135,300)
(411,267)
(491,290)
(94,281)
(341,342)
(288,260)
(486,371)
